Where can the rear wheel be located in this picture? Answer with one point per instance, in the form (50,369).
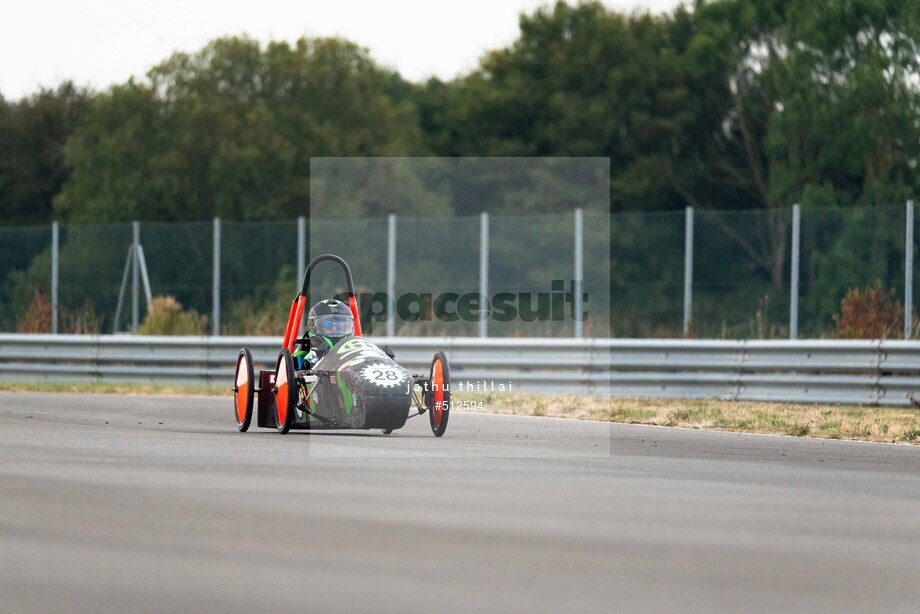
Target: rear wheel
(438,395)
(285,391)
(243,390)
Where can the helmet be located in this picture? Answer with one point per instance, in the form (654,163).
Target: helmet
(328,322)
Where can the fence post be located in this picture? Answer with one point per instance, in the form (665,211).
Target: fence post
(688,268)
(579,272)
(794,272)
(483,269)
(215,281)
(301,249)
(135,277)
(55,263)
(391,275)
(909,271)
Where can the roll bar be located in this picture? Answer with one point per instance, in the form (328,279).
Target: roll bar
(333,258)
(295,317)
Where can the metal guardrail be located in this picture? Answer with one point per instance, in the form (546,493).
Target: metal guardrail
(815,371)
(855,372)
(562,366)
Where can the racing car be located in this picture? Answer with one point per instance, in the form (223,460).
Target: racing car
(354,385)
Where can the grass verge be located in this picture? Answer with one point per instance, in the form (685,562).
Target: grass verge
(885,424)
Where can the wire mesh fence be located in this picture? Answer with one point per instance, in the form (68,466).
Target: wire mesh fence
(646,273)
(844,249)
(92,265)
(25,272)
(431,276)
(435,258)
(741,274)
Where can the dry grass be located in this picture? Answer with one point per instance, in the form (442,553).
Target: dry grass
(886,424)
(125,389)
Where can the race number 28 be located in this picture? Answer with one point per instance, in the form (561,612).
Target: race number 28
(382,375)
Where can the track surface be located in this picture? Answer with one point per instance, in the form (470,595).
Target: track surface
(112,503)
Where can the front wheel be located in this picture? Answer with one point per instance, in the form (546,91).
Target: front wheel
(285,391)
(438,395)
(243,390)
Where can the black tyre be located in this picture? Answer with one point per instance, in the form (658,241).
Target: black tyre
(285,391)
(243,390)
(438,395)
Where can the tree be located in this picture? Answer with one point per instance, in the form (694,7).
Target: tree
(120,163)
(32,134)
(229,131)
(580,81)
(799,102)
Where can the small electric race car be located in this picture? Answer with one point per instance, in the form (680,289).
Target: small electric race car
(354,385)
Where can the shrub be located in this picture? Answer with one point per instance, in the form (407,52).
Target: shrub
(869,313)
(245,317)
(166,317)
(81,322)
(37,318)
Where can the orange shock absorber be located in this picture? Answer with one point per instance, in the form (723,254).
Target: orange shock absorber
(353,305)
(295,323)
(290,322)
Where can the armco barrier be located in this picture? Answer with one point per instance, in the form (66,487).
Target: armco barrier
(818,371)
(564,366)
(810,371)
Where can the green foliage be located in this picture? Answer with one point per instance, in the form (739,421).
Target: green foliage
(725,105)
(580,81)
(166,317)
(264,312)
(247,317)
(92,260)
(844,248)
(32,134)
(737,104)
(730,104)
(230,131)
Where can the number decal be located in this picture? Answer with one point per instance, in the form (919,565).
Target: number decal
(383,375)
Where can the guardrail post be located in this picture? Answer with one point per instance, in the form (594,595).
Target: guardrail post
(391,275)
(909,271)
(301,249)
(688,268)
(135,277)
(794,272)
(55,271)
(215,281)
(483,269)
(579,272)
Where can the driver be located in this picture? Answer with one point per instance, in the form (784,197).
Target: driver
(328,323)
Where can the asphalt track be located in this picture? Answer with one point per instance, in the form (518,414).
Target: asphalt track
(114,503)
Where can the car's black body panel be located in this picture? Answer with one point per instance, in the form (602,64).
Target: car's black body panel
(358,387)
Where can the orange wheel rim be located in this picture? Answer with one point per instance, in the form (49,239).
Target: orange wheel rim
(281,397)
(242,394)
(281,401)
(437,383)
(242,389)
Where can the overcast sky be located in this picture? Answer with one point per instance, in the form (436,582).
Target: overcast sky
(101,42)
